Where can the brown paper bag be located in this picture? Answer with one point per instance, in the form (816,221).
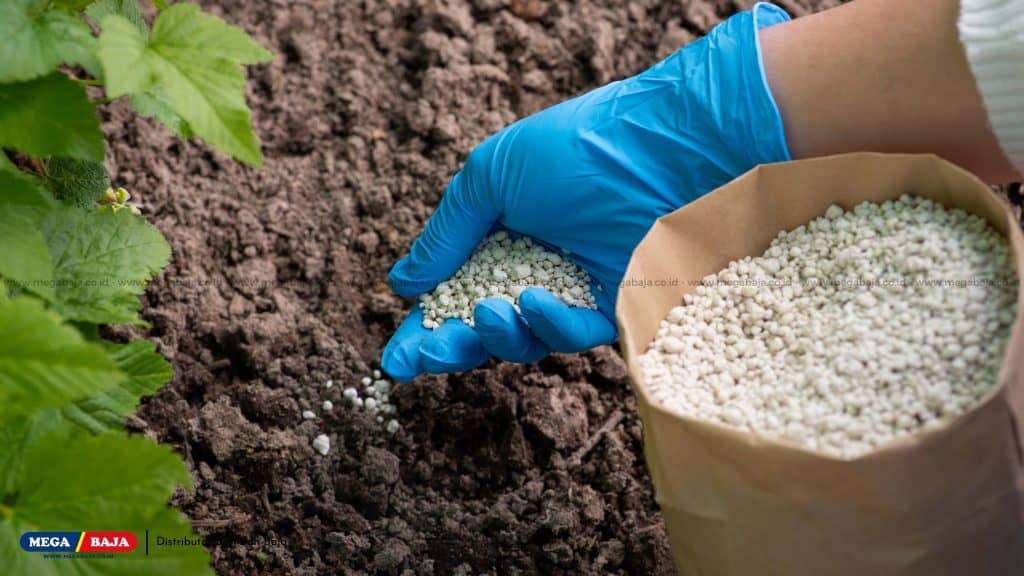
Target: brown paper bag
(948,502)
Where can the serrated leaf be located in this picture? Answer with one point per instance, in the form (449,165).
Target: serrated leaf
(147,372)
(34,40)
(102,260)
(107,482)
(154,104)
(129,9)
(187,31)
(126,58)
(211,99)
(50,116)
(80,46)
(79,182)
(194,58)
(45,363)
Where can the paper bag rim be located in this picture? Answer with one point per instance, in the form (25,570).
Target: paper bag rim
(910,442)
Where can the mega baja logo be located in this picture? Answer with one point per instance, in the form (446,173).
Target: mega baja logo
(81,542)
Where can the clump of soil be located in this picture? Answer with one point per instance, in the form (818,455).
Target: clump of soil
(278,282)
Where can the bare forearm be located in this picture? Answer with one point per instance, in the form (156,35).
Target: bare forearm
(881,76)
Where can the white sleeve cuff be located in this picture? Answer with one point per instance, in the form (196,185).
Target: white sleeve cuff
(992,32)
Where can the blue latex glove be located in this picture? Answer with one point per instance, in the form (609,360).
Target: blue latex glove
(591,175)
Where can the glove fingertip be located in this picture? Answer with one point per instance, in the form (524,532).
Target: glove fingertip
(401,362)
(541,302)
(401,358)
(405,282)
(492,314)
(563,328)
(505,334)
(454,347)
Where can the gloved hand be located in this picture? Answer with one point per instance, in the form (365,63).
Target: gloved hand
(591,175)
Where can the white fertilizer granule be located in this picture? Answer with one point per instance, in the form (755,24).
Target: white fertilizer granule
(502,267)
(856,329)
(322,444)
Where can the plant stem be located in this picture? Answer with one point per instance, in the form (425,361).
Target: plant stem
(88,82)
(102,101)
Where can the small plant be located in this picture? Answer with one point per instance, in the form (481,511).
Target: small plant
(77,255)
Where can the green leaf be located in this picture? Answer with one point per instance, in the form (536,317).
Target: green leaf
(100,9)
(19,190)
(34,41)
(112,482)
(211,99)
(79,182)
(126,58)
(5,163)
(17,433)
(154,104)
(24,260)
(147,372)
(102,260)
(46,363)
(186,31)
(50,116)
(194,58)
(101,413)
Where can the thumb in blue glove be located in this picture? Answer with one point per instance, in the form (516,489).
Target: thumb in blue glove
(590,175)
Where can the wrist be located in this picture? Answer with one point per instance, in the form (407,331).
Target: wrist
(710,106)
(735,95)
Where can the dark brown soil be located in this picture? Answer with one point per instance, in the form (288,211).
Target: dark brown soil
(278,282)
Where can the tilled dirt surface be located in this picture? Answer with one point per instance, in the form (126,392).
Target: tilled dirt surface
(278,283)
